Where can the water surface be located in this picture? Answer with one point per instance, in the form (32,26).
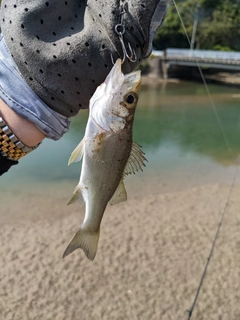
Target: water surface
(177,128)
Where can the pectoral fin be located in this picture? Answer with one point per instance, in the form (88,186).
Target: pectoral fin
(77,153)
(119,195)
(135,161)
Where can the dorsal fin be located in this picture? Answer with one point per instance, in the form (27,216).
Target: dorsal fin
(77,153)
(119,195)
(135,161)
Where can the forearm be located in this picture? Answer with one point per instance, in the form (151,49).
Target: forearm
(26,131)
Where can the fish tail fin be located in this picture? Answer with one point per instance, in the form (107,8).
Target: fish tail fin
(87,241)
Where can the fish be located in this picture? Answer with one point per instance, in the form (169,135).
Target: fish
(108,154)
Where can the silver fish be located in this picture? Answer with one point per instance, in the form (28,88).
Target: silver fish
(108,154)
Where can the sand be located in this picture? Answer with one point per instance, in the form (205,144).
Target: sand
(151,256)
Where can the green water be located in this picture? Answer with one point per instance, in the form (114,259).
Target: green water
(177,128)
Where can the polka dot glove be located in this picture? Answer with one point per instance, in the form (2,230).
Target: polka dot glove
(64,49)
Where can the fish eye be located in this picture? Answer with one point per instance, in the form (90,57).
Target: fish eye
(130,100)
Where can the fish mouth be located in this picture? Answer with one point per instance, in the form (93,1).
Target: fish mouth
(116,79)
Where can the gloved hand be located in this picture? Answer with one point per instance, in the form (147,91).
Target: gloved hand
(64,49)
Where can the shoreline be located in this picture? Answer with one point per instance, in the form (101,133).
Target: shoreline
(221,78)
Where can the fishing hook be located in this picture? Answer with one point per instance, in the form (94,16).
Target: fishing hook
(120,30)
(124,8)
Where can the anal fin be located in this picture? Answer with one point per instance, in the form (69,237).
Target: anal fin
(77,196)
(120,194)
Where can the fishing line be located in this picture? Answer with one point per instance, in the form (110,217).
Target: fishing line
(205,84)
(213,245)
(190,312)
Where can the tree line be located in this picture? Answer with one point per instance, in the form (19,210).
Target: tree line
(214,24)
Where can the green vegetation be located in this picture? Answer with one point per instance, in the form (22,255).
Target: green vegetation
(144,67)
(218,25)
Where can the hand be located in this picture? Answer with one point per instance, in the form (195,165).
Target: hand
(64,51)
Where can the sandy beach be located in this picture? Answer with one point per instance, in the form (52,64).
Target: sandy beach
(151,255)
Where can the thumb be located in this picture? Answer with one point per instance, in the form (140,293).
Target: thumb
(142,18)
(149,15)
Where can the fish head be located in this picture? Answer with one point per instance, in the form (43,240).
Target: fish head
(113,104)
